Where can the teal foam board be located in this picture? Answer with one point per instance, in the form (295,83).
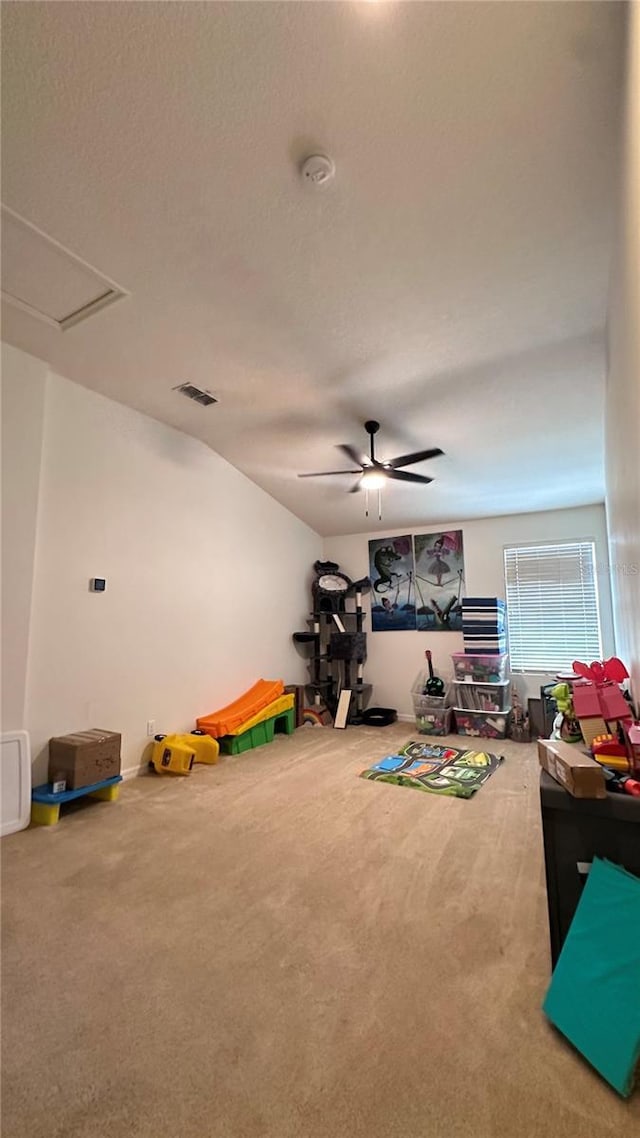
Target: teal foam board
(594,995)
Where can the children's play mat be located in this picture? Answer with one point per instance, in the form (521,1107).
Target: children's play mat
(436,769)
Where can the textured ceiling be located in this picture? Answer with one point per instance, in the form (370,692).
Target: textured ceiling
(451,282)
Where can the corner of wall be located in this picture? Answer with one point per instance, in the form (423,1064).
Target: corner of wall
(24,389)
(622,414)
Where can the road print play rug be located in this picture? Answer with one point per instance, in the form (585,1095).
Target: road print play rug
(436,769)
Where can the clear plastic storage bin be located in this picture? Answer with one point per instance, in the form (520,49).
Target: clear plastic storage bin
(433,717)
(482,697)
(482,724)
(480,669)
(431,720)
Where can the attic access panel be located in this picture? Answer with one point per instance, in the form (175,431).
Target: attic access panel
(42,277)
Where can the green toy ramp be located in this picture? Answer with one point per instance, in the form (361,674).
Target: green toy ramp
(260,734)
(594,996)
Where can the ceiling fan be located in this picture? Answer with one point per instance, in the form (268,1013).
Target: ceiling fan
(374,473)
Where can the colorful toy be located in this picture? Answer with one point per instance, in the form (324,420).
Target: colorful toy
(271,711)
(597,699)
(229,718)
(598,696)
(317,716)
(565,724)
(434,685)
(176,754)
(171,756)
(253,719)
(619,752)
(610,671)
(261,731)
(206,749)
(621,783)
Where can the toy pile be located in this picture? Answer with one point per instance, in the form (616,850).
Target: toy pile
(592,707)
(251,720)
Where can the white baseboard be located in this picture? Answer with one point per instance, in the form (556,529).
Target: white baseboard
(133,772)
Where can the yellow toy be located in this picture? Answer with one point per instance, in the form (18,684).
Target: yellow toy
(176,754)
(207,749)
(607,750)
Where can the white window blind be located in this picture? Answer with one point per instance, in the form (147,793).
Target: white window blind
(552,606)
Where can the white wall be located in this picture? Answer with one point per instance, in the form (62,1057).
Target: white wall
(207,577)
(23,396)
(395,658)
(622,437)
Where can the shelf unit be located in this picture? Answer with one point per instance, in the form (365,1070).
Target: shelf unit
(338,652)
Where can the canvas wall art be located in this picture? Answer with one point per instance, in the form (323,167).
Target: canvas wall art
(393,593)
(439,581)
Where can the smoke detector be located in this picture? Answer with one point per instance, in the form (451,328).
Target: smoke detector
(318,170)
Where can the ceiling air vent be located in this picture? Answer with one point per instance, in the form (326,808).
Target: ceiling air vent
(43,278)
(204,398)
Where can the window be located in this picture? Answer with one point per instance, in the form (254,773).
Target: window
(552,606)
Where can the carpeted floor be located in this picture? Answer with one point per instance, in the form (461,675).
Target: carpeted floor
(275,948)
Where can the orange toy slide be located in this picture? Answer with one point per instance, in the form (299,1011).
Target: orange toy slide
(229,718)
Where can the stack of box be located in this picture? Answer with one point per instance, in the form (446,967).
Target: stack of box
(482,691)
(483,626)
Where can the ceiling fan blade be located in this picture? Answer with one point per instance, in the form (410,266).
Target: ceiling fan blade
(355,488)
(417,456)
(406,476)
(354,454)
(322,473)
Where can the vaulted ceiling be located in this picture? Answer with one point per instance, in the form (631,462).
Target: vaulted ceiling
(451,281)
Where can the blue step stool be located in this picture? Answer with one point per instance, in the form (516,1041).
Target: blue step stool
(45,805)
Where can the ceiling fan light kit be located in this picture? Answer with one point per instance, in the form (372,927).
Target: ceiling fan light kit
(374,473)
(372,480)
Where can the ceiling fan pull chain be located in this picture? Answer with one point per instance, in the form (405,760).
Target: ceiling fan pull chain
(379,505)
(366,503)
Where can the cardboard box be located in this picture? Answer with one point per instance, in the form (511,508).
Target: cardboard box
(84,757)
(582,776)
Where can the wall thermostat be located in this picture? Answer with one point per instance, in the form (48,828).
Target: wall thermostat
(98,584)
